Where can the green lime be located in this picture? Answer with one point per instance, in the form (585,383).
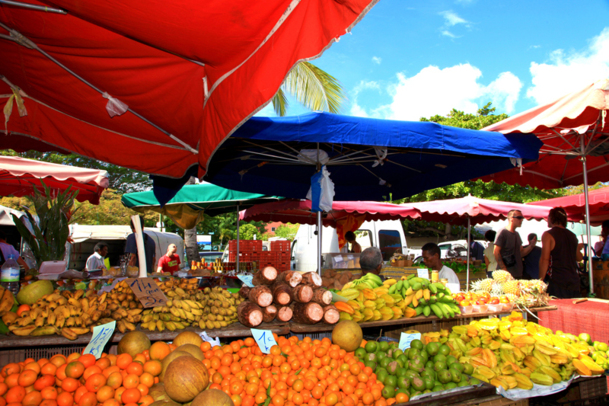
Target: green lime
(439,357)
(429,364)
(401,372)
(418,344)
(429,383)
(360,353)
(371,346)
(416,365)
(396,353)
(439,366)
(410,374)
(404,359)
(385,361)
(403,390)
(463,383)
(381,375)
(456,366)
(450,385)
(444,350)
(445,376)
(383,346)
(370,364)
(391,381)
(468,369)
(432,348)
(412,352)
(474,381)
(424,355)
(403,382)
(417,384)
(457,376)
(415,393)
(437,388)
(450,360)
(388,392)
(380,355)
(393,344)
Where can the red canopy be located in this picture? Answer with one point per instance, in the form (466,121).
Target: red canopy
(575,205)
(19,177)
(299,211)
(192,71)
(456,211)
(571,127)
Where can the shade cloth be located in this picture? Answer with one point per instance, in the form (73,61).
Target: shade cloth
(20,176)
(368,159)
(190,72)
(575,205)
(587,317)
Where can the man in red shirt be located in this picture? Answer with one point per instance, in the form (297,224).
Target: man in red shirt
(169,262)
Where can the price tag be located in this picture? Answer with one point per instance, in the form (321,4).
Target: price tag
(265,339)
(423,273)
(215,342)
(247,280)
(147,291)
(406,339)
(101,335)
(453,287)
(338,258)
(349,257)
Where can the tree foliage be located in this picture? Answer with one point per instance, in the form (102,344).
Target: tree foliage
(287,231)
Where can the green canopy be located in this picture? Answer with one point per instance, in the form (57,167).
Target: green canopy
(188,205)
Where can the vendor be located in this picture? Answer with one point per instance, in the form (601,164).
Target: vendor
(7,249)
(170,262)
(96,261)
(355,247)
(371,261)
(431,257)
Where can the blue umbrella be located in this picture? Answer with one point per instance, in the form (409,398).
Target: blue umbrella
(368,159)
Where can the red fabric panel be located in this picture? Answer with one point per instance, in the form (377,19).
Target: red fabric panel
(587,317)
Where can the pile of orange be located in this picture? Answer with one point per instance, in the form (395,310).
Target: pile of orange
(307,372)
(80,380)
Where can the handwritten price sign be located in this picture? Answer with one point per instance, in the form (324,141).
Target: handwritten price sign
(147,291)
(101,335)
(265,339)
(406,339)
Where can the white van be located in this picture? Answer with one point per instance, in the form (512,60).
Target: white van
(84,238)
(388,236)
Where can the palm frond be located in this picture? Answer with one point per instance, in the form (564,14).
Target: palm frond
(316,89)
(280,103)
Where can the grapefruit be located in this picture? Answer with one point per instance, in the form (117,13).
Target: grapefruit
(347,335)
(185,378)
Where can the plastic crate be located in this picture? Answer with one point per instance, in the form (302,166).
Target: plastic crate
(282,246)
(20,355)
(593,387)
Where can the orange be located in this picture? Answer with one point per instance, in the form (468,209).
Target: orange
(32,399)
(368,398)
(94,382)
(110,370)
(143,389)
(401,398)
(75,369)
(23,308)
(65,399)
(131,381)
(141,358)
(3,388)
(73,357)
(87,360)
(27,377)
(10,369)
(111,402)
(48,369)
(105,393)
(123,360)
(131,395)
(44,381)
(15,394)
(48,402)
(147,379)
(103,363)
(88,399)
(49,393)
(236,399)
(69,384)
(92,370)
(135,368)
(153,367)
(146,400)
(34,366)
(58,360)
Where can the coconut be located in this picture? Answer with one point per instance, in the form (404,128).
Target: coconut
(188,337)
(167,402)
(133,343)
(192,350)
(157,392)
(212,397)
(185,378)
(347,335)
(34,291)
(168,359)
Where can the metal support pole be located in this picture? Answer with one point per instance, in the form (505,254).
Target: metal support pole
(469,245)
(319,231)
(237,257)
(589,245)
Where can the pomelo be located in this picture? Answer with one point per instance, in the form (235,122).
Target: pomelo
(348,335)
(212,397)
(34,291)
(185,378)
(188,337)
(193,350)
(133,343)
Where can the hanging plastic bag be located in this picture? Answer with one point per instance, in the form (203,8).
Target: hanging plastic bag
(115,107)
(321,193)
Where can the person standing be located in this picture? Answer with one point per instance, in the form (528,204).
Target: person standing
(599,247)
(149,248)
(489,256)
(355,247)
(96,260)
(7,249)
(476,249)
(371,261)
(560,253)
(508,246)
(170,262)
(431,257)
(531,261)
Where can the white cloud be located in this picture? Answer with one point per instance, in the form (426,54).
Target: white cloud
(568,71)
(356,110)
(451,18)
(437,91)
(376,60)
(449,34)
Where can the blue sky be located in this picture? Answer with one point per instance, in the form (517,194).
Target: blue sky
(411,59)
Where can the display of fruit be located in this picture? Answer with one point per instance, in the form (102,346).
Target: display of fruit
(188,306)
(123,307)
(514,353)
(32,292)
(529,293)
(68,313)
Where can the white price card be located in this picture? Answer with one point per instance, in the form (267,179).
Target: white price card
(147,291)
(247,280)
(453,287)
(423,273)
(265,339)
(215,342)
(349,257)
(406,339)
(101,335)
(338,258)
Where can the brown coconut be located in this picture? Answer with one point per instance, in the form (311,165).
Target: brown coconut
(192,350)
(212,397)
(169,359)
(133,343)
(157,392)
(188,337)
(185,378)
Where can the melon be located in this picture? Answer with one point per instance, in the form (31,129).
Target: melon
(133,343)
(188,337)
(157,392)
(185,378)
(212,397)
(192,350)
(34,291)
(347,335)
(168,359)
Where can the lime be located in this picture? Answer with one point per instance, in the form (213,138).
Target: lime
(402,390)
(439,357)
(445,376)
(412,352)
(432,348)
(410,374)
(396,353)
(418,384)
(418,344)
(381,375)
(401,372)
(450,385)
(456,366)
(439,365)
(437,388)
(468,369)
(585,337)
(385,361)
(360,353)
(392,368)
(370,364)
(371,346)
(388,392)
(403,382)
(450,360)
(429,364)
(463,383)
(391,381)
(424,355)
(429,372)
(416,365)
(457,376)
(474,381)
(380,355)
(383,346)
(415,393)
(404,359)
(444,350)
(429,382)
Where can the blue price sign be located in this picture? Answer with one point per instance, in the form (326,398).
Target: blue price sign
(406,339)
(247,280)
(265,339)
(147,292)
(101,335)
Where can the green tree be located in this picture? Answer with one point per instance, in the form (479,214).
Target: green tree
(482,119)
(247,231)
(287,231)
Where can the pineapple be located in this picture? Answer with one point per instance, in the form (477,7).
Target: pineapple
(502,276)
(483,285)
(497,290)
(512,287)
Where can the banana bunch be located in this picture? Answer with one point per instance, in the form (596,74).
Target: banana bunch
(426,297)
(514,353)
(68,313)
(189,306)
(370,281)
(123,307)
(371,304)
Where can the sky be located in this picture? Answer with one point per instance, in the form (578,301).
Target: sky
(410,59)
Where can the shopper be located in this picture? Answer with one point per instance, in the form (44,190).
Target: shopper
(489,256)
(600,245)
(170,262)
(508,246)
(371,261)
(7,249)
(560,253)
(476,249)
(149,249)
(96,261)
(355,247)
(531,261)
(431,257)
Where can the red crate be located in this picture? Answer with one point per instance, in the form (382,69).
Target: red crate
(280,246)
(283,256)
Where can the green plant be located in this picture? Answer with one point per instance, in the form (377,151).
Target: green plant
(51,231)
